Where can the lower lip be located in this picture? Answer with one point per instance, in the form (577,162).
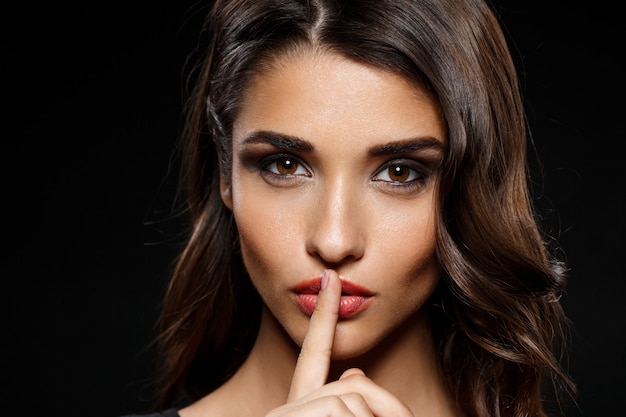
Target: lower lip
(351,305)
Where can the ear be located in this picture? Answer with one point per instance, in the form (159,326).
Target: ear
(225,191)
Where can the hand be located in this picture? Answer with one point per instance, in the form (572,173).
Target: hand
(353,394)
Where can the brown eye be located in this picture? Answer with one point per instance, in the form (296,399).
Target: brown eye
(286,166)
(401,172)
(398,173)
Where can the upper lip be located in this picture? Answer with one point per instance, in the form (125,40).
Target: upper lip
(312,286)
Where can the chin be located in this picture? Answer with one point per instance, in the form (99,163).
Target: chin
(352,343)
(344,353)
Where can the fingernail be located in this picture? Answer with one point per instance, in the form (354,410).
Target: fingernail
(324,278)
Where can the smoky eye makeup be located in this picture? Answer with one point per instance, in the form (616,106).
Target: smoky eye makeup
(405,175)
(283,164)
(409,165)
(278,168)
(274,152)
(403,167)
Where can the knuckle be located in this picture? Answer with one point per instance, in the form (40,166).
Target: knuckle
(355,398)
(337,403)
(357,379)
(307,353)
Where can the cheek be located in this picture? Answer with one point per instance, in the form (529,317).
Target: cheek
(407,251)
(267,231)
(408,233)
(258,238)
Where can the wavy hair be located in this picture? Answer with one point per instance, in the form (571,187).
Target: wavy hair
(497,316)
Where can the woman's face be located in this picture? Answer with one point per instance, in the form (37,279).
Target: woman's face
(335,166)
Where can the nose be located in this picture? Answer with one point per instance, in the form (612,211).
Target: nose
(336,229)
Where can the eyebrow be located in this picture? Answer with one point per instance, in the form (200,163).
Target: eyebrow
(280,141)
(406,146)
(293,143)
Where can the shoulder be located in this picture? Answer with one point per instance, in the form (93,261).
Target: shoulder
(172,412)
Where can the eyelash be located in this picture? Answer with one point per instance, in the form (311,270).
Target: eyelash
(418,173)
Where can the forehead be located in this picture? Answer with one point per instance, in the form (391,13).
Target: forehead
(320,93)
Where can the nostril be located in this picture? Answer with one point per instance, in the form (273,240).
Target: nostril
(327,261)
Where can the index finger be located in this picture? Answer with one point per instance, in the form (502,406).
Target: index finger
(314,360)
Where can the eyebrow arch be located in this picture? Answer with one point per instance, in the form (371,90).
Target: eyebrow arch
(406,146)
(280,141)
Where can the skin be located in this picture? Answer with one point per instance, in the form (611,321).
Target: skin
(350,196)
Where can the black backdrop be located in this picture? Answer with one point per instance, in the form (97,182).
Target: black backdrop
(94,97)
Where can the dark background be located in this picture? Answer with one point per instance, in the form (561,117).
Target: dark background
(94,107)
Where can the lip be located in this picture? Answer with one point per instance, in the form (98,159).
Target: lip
(354,298)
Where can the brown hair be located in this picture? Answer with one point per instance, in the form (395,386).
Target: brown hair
(497,313)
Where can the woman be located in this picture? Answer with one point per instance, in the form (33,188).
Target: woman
(362,237)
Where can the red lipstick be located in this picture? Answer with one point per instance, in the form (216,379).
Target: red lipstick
(354,298)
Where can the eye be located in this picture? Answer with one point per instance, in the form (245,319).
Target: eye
(398,173)
(285,165)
